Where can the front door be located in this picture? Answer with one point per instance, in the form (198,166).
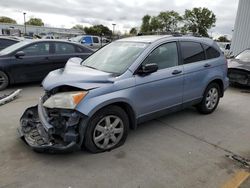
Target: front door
(162,89)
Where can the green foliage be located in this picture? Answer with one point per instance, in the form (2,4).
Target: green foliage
(223,39)
(145,27)
(98,30)
(199,20)
(169,21)
(4,19)
(133,31)
(35,21)
(80,27)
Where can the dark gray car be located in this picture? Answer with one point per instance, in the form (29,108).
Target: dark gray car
(239,69)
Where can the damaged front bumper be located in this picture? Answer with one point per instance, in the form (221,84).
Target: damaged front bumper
(239,76)
(50,133)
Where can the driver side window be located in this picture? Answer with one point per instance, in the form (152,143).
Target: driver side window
(41,48)
(164,56)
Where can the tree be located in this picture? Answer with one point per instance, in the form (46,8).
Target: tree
(35,21)
(155,24)
(223,39)
(79,27)
(145,27)
(169,21)
(4,19)
(133,31)
(199,20)
(98,30)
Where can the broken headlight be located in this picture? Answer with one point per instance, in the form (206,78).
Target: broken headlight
(65,100)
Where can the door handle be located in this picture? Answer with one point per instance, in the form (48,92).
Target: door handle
(207,65)
(176,72)
(46,58)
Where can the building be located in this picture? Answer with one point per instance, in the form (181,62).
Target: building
(16,29)
(241,34)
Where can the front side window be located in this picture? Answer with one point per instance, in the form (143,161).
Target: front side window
(64,48)
(164,56)
(41,48)
(192,52)
(115,57)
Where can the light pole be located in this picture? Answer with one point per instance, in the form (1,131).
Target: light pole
(24,23)
(114,29)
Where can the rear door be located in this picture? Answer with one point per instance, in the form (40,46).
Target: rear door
(162,89)
(196,70)
(34,65)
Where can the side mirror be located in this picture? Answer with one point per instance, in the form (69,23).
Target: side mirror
(148,68)
(19,54)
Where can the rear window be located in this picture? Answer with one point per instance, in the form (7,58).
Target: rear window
(211,52)
(192,52)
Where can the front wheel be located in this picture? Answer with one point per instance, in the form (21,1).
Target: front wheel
(106,130)
(210,99)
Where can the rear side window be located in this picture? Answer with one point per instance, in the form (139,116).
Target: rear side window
(211,52)
(95,40)
(64,48)
(192,52)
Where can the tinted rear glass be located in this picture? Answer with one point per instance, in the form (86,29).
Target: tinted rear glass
(211,52)
(192,52)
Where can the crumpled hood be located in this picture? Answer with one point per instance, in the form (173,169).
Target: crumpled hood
(237,64)
(76,75)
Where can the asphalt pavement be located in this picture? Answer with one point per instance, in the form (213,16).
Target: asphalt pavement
(184,149)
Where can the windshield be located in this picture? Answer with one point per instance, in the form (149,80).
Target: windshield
(244,56)
(115,57)
(14,47)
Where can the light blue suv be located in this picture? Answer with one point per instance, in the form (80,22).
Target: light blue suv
(93,103)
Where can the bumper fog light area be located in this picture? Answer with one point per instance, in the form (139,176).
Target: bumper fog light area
(32,131)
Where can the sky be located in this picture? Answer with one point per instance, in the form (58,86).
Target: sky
(124,13)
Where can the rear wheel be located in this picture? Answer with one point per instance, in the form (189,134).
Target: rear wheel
(210,99)
(107,129)
(4,80)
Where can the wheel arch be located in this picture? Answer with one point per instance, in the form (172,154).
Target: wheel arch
(126,107)
(220,83)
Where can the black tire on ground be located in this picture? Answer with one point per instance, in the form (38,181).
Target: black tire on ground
(100,117)
(4,80)
(202,107)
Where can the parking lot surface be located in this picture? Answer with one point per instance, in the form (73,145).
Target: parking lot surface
(184,149)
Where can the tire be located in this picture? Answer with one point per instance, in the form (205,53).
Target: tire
(107,129)
(210,99)
(4,80)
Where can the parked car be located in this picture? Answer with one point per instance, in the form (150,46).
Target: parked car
(7,41)
(93,42)
(32,60)
(93,103)
(239,68)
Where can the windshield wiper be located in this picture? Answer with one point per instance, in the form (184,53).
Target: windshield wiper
(89,67)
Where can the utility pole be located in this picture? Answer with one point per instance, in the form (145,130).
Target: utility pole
(24,23)
(113,29)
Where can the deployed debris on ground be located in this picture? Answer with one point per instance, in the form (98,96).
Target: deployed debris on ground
(9,97)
